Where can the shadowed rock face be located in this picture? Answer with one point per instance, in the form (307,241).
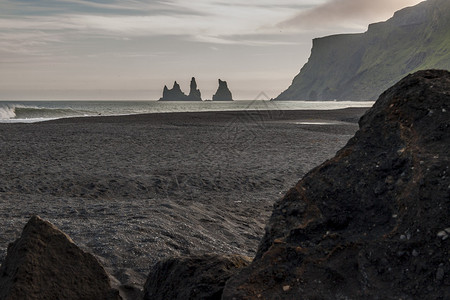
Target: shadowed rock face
(44,263)
(223,93)
(193,277)
(194,93)
(371,222)
(176,94)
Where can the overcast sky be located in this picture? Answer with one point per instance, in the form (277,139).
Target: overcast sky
(130,49)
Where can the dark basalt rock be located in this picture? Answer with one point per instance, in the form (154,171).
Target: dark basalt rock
(193,277)
(194,93)
(372,222)
(44,263)
(223,93)
(176,94)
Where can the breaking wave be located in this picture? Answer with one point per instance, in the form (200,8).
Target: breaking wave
(12,112)
(7,112)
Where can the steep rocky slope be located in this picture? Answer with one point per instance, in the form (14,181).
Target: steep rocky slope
(362,66)
(373,222)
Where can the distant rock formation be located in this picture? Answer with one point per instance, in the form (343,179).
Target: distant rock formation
(372,222)
(193,277)
(44,263)
(223,93)
(194,93)
(362,66)
(176,94)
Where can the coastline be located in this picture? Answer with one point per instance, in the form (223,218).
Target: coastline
(350,115)
(39,111)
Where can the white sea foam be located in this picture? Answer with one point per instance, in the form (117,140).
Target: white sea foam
(36,111)
(7,112)
(26,113)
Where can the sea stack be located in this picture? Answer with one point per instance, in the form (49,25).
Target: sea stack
(194,93)
(372,222)
(223,93)
(174,94)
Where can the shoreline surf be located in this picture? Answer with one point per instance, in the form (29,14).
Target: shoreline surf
(39,111)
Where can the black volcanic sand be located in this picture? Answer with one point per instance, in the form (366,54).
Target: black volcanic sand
(135,189)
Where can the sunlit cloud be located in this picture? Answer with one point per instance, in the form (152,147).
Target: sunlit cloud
(345,13)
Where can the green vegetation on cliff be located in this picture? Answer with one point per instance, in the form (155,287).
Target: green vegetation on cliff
(361,66)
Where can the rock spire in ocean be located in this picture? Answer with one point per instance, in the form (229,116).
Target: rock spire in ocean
(194,93)
(176,94)
(223,92)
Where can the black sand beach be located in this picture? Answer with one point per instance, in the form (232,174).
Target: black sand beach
(135,189)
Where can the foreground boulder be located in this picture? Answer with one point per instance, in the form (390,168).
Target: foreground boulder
(193,277)
(44,263)
(373,222)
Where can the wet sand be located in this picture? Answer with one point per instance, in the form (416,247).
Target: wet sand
(135,189)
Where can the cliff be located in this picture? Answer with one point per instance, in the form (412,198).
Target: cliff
(372,222)
(361,66)
(223,92)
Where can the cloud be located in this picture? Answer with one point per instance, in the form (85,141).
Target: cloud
(113,7)
(37,27)
(213,22)
(345,13)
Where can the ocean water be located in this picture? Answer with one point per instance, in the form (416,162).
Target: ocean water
(37,111)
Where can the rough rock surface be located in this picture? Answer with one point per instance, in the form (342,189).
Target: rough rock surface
(194,93)
(223,92)
(373,222)
(44,263)
(176,94)
(193,277)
